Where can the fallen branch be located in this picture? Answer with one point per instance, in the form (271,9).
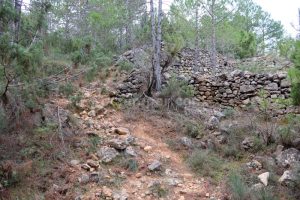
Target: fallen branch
(60,129)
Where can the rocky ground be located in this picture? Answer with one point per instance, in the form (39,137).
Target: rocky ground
(132,159)
(89,146)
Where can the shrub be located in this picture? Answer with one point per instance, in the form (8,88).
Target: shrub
(125,66)
(66,89)
(264,194)
(102,60)
(91,74)
(232,151)
(174,90)
(193,130)
(158,190)
(238,187)
(131,165)
(294,75)
(229,112)
(3,122)
(75,99)
(204,163)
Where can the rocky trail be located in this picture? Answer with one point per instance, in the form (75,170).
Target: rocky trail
(131,159)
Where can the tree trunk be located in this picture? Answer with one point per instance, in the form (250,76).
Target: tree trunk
(213,36)
(154,57)
(197,42)
(1,25)
(158,47)
(18,6)
(128,24)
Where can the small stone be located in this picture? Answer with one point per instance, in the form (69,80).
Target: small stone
(118,144)
(138,175)
(92,163)
(248,143)
(84,178)
(74,162)
(148,148)
(122,131)
(154,166)
(185,141)
(130,151)
(86,167)
(106,192)
(95,177)
(92,113)
(207,195)
(120,195)
(264,177)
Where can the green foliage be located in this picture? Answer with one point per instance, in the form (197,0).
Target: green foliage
(177,89)
(67,89)
(264,194)
(131,165)
(205,163)
(238,187)
(228,112)
(193,130)
(125,66)
(102,59)
(10,181)
(3,120)
(247,45)
(294,75)
(158,190)
(94,141)
(75,99)
(286,47)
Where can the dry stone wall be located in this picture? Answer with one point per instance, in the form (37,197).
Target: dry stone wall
(225,85)
(240,88)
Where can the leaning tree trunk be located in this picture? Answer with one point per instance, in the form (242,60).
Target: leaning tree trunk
(18,6)
(158,47)
(154,57)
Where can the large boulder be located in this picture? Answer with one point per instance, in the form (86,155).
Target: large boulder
(107,154)
(213,123)
(288,157)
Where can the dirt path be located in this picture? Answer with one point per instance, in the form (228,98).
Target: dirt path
(173,181)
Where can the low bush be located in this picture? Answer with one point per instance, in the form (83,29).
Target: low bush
(3,120)
(130,164)
(158,190)
(193,130)
(205,163)
(67,89)
(238,187)
(75,99)
(174,90)
(264,194)
(229,112)
(125,66)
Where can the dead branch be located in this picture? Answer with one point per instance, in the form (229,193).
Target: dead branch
(60,129)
